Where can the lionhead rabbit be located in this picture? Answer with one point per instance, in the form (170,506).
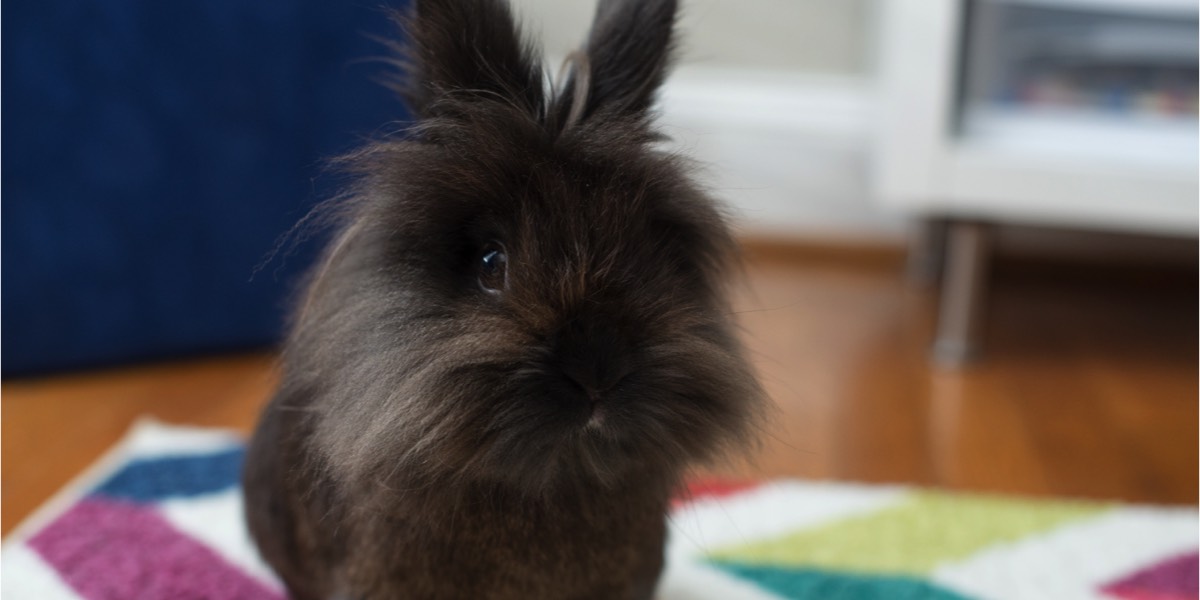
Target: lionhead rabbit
(517,340)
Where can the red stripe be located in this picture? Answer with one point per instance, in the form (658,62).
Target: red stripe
(112,550)
(712,488)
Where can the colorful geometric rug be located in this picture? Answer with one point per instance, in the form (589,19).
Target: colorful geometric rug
(159,518)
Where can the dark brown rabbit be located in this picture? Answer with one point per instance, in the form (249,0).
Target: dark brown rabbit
(517,340)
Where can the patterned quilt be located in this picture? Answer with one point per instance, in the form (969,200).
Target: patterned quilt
(159,517)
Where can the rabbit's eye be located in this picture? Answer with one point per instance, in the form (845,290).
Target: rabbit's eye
(493,268)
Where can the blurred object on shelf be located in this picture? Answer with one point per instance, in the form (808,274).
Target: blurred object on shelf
(1072,79)
(1102,62)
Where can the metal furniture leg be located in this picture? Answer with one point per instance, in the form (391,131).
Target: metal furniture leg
(960,315)
(927,251)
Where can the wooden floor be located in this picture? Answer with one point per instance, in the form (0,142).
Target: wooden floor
(1088,387)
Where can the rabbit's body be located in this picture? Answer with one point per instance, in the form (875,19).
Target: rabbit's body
(517,341)
(489,543)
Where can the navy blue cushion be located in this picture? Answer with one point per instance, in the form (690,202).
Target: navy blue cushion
(153,154)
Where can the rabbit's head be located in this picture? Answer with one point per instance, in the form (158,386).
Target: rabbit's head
(525,289)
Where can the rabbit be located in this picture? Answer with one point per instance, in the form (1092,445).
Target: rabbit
(518,339)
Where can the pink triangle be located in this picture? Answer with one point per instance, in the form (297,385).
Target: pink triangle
(1176,578)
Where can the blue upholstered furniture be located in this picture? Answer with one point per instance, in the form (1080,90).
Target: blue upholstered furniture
(153,153)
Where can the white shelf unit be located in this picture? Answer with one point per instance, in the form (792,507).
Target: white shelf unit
(1047,167)
(940,155)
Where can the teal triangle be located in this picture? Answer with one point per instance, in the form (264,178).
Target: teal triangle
(812,584)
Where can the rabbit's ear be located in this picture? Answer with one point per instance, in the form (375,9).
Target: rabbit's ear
(629,50)
(468,50)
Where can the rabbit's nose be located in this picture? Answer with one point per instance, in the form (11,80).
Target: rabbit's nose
(594,359)
(596,378)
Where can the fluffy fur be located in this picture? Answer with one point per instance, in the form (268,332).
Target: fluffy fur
(433,439)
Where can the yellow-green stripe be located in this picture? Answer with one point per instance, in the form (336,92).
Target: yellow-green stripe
(914,536)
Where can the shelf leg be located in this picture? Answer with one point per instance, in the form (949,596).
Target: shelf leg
(927,251)
(960,315)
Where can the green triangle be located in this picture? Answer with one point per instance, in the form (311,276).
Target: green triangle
(912,537)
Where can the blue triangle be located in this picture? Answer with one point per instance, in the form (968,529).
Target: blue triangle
(182,476)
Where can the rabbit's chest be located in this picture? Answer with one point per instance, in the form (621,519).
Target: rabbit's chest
(611,549)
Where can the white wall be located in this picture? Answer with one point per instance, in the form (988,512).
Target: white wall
(826,36)
(774,97)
